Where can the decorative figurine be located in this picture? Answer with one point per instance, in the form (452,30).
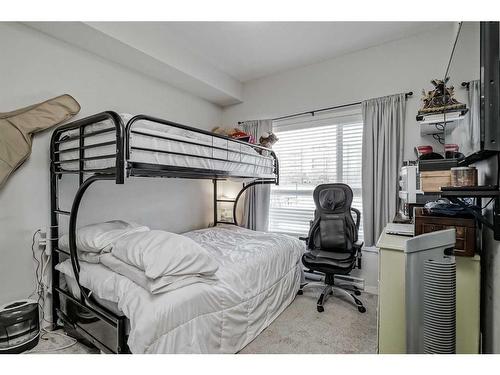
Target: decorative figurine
(440,99)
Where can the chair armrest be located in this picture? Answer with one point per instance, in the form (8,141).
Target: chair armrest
(306,240)
(359,245)
(358,216)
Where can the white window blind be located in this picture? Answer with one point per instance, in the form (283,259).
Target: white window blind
(314,150)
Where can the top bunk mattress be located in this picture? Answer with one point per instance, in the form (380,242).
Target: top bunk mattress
(155,143)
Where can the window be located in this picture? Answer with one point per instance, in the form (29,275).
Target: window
(314,150)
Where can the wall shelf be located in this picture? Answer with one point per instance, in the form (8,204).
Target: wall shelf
(437,123)
(442,117)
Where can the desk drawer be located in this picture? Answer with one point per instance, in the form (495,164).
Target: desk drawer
(465,229)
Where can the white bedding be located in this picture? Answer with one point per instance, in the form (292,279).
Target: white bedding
(157,285)
(262,165)
(258,277)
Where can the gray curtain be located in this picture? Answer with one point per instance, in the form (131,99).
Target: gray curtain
(383,140)
(257,198)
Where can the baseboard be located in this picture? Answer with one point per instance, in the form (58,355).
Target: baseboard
(371,290)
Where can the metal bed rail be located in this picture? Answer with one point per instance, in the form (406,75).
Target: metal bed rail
(111,122)
(244,157)
(120,168)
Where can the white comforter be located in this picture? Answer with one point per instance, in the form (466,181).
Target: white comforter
(258,277)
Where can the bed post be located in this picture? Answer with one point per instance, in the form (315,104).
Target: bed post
(56,173)
(54,233)
(215,201)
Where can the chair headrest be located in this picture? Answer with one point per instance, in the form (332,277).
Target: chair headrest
(332,198)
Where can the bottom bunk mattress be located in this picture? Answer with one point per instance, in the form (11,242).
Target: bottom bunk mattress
(258,277)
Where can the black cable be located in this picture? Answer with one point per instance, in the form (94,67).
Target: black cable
(487,204)
(37,286)
(40,292)
(39,283)
(498,170)
(438,138)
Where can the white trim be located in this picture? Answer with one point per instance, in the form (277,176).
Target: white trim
(371,290)
(370,249)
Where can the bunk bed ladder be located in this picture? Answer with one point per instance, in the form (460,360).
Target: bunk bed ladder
(218,200)
(117,323)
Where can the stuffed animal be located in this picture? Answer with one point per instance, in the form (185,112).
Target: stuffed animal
(268,139)
(222,131)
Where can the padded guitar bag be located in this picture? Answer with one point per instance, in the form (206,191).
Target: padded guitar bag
(17,129)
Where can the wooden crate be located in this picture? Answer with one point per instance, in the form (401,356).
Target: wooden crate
(432,181)
(465,230)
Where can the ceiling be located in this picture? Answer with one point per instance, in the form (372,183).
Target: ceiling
(213,60)
(250,50)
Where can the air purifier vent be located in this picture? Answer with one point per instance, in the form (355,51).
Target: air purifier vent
(440,305)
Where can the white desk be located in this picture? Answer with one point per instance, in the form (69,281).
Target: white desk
(391,309)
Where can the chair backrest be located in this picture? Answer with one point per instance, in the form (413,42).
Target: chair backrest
(333,228)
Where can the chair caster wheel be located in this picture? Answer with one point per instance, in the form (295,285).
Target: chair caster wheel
(357,292)
(361,309)
(321,309)
(300,292)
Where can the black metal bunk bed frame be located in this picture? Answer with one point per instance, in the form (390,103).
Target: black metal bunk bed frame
(94,322)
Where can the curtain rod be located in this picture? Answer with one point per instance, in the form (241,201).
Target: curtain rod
(408,94)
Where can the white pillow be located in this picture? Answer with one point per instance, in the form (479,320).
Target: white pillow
(162,284)
(99,237)
(159,253)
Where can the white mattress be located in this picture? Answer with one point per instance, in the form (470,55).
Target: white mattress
(259,275)
(261,164)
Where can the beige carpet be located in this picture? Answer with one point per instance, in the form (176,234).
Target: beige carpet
(58,343)
(299,329)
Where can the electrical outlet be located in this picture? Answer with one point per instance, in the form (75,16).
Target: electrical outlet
(42,239)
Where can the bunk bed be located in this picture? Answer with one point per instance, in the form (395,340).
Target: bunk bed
(112,147)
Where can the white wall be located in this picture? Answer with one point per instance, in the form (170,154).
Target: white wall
(400,66)
(35,67)
(404,65)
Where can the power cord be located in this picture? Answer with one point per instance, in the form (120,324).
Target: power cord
(438,137)
(487,204)
(37,286)
(498,170)
(39,290)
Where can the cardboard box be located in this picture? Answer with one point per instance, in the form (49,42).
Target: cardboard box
(432,181)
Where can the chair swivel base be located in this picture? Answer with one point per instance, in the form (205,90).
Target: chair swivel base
(329,291)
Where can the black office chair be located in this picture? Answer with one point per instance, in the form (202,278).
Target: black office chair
(332,244)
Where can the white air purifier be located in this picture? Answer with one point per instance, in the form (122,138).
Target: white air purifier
(422,290)
(440,276)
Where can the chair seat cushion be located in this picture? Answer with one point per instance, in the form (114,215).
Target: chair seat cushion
(329,262)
